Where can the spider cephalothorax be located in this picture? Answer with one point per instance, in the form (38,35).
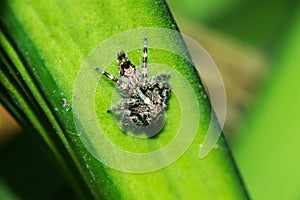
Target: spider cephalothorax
(144,100)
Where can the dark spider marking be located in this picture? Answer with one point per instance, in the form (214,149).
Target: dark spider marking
(144,100)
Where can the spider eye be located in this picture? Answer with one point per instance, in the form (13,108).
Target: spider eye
(126,65)
(121,55)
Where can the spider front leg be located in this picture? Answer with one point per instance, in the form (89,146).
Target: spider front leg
(145,57)
(111,77)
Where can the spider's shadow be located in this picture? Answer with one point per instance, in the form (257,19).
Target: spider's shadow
(150,131)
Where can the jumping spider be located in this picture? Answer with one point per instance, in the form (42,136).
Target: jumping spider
(144,100)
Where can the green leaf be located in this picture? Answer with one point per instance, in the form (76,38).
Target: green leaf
(44,48)
(273,163)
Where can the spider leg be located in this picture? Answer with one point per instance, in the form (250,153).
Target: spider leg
(111,77)
(145,57)
(159,81)
(124,104)
(166,92)
(155,80)
(126,119)
(162,77)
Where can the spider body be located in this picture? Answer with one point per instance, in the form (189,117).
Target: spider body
(144,100)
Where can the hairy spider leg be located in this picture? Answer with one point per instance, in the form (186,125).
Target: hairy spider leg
(111,77)
(125,119)
(160,82)
(153,81)
(124,104)
(145,58)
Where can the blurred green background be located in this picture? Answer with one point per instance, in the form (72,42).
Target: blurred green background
(256,45)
